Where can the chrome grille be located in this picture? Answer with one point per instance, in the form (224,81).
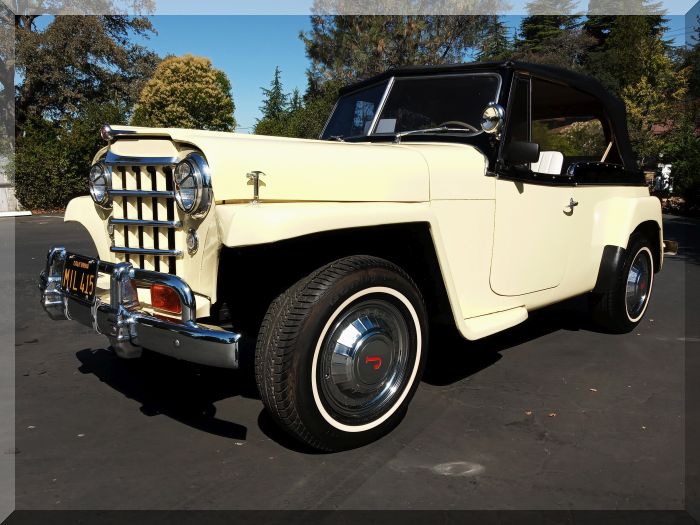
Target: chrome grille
(147,230)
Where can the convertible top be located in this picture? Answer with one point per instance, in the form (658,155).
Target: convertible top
(612,105)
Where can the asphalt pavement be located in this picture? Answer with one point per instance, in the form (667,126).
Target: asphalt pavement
(549,415)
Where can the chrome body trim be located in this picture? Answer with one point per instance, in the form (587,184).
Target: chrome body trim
(106,203)
(142,193)
(380,107)
(112,159)
(143,222)
(145,251)
(130,329)
(204,190)
(108,134)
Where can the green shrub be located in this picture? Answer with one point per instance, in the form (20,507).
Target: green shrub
(52,160)
(683,151)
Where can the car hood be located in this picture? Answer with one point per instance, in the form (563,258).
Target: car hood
(298,169)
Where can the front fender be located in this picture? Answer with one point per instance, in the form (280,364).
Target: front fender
(250,224)
(94,219)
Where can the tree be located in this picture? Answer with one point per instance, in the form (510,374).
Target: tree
(75,60)
(689,57)
(275,102)
(613,57)
(555,39)
(75,74)
(495,44)
(347,47)
(541,27)
(186,92)
(52,158)
(301,117)
(683,151)
(654,94)
(295,101)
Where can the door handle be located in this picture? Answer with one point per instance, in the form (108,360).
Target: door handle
(571,205)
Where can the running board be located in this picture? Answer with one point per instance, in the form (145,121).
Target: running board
(484,325)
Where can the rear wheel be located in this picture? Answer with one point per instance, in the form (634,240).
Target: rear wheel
(620,309)
(340,353)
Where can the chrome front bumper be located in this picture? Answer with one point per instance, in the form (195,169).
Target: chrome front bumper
(130,329)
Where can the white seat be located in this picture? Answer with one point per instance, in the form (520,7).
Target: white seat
(550,162)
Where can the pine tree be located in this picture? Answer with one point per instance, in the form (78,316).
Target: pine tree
(347,47)
(600,26)
(295,101)
(275,102)
(495,44)
(541,28)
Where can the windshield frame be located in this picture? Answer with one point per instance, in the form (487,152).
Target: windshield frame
(387,93)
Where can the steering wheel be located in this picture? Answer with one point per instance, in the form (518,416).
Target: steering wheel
(449,123)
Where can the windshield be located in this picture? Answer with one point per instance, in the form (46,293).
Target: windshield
(355,112)
(416,103)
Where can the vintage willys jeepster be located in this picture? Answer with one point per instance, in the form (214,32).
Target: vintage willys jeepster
(470,194)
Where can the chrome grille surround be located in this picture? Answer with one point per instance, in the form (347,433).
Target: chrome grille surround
(148,231)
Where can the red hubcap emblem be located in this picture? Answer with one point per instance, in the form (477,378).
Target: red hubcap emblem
(374,359)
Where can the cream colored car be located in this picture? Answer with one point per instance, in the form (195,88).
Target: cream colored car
(470,194)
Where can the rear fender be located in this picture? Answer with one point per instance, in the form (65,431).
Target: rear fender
(616,219)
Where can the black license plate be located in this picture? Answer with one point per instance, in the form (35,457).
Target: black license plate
(80,277)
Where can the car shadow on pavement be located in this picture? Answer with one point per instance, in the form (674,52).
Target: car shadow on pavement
(182,391)
(187,392)
(452,358)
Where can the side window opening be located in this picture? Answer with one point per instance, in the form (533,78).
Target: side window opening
(570,126)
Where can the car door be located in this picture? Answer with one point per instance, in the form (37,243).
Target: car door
(532,230)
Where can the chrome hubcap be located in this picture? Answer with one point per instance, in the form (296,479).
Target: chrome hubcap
(638,284)
(364,359)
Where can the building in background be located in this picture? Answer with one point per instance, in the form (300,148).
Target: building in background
(8,202)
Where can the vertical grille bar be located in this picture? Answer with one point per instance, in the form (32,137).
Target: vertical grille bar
(139,212)
(118,211)
(171,217)
(143,207)
(162,184)
(154,210)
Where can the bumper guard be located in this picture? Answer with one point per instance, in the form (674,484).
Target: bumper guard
(129,329)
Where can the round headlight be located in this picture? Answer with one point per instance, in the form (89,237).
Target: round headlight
(100,184)
(193,185)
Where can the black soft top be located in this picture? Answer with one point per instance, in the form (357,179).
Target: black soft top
(613,106)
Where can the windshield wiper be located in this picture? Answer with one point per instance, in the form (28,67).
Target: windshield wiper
(338,138)
(401,134)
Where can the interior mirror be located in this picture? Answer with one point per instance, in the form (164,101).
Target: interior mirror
(492,118)
(521,152)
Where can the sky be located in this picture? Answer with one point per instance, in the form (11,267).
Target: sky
(249,47)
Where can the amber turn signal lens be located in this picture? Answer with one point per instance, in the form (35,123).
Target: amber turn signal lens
(165,298)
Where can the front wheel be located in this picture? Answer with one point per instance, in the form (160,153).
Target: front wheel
(340,353)
(620,309)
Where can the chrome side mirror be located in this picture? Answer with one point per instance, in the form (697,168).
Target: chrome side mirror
(492,118)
